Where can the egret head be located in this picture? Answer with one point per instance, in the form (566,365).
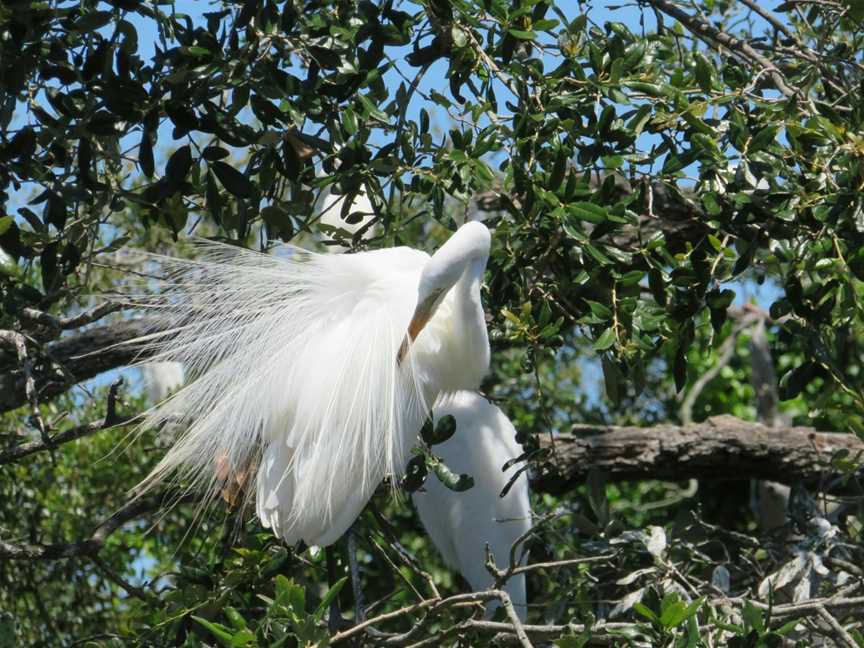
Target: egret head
(462,257)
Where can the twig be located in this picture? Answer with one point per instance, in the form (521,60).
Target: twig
(87,546)
(434,604)
(836,627)
(813,605)
(770,19)
(111,420)
(126,586)
(557,564)
(727,351)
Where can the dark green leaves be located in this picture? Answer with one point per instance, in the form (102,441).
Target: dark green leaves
(586,211)
(796,379)
(92,21)
(234,181)
(179,164)
(444,428)
(145,154)
(454,482)
(606,339)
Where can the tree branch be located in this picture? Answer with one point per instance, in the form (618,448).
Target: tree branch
(722,447)
(88,546)
(111,420)
(72,360)
(714,37)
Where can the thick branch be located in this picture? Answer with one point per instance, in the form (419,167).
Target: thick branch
(72,360)
(722,447)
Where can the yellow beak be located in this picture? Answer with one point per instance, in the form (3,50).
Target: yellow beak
(422,314)
(417,323)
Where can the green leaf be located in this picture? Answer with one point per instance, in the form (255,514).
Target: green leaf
(644,611)
(753,617)
(145,155)
(443,429)
(600,310)
(522,34)
(559,168)
(349,121)
(631,278)
(454,482)
(234,181)
(596,484)
(331,594)
(606,339)
(371,110)
(234,617)
(179,164)
(586,211)
(795,380)
(460,38)
(92,21)
(221,632)
(5,224)
(704,72)
(673,614)
(213,153)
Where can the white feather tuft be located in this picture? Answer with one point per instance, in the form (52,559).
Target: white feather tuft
(291,360)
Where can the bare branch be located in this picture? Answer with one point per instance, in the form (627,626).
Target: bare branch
(840,631)
(72,360)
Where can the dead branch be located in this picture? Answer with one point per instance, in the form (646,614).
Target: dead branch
(112,419)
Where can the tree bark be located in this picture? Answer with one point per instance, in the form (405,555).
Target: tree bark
(723,447)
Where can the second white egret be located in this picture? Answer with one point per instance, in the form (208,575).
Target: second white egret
(461,524)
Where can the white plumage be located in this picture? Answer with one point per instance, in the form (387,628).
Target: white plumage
(293,360)
(461,524)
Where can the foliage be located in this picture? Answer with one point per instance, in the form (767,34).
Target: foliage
(641,168)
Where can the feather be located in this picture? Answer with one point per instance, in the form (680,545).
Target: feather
(292,360)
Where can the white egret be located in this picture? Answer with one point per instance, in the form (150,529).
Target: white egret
(462,523)
(313,372)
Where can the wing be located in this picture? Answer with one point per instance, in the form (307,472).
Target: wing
(294,352)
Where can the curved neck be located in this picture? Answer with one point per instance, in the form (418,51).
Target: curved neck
(467,288)
(470,314)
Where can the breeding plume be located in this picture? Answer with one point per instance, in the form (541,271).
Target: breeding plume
(313,372)
(461,524)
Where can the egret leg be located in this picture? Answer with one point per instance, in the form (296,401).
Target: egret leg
(354,568)
(335,622)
